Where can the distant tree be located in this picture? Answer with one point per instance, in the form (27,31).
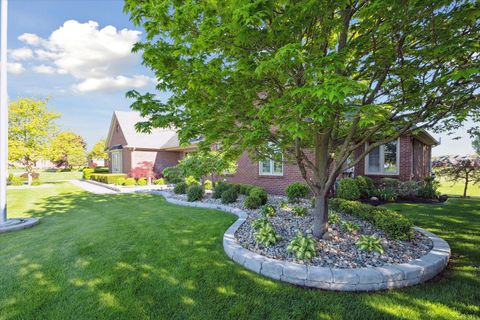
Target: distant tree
(476,144)
(30,131)
(98,150)
(68,150)
(459,169)
(312,80)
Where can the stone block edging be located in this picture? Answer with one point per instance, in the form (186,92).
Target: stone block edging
(129,189)
(388,276)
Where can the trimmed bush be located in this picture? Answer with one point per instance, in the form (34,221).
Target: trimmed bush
(129,182)
(252,202)
(229,196)
(180,188)
(87,172)
(194,193)
(296,191)
(36,182)
(109,178)
(245,189)
(236,186)
(17,181)
(142,182)
(395,225)
(365,186)
(101,170)
(172,174)
(220,188)
(120,181)
(207,185)
(260,193)
(348,189)
(159,182)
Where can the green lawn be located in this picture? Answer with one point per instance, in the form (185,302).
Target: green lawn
(456,189)
(133,256)
(46,176)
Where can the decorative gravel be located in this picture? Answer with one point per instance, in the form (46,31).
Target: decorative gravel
(340,251)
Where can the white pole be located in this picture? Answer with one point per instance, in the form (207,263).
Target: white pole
(3,117)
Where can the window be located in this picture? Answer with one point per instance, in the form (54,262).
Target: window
(383,159)
(269,167)
(116,161)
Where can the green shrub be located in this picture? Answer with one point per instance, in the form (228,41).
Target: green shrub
(17,181)
(10,177)
(283,204)
(428,188)
(266,235)
(220,188)
(36,182)
(245,189)
(173,175)
(349,226)
(299,211)
(365,186)
(180,188)
(109,178)
(370,244)
(194,193)
(302,246)
(268,211)
(142,181)
(252,202)
(159,182)
(392,223)
(129,182)
(87,172)
(333,218)
(296,191)
(408,189)
(120,181)
(390,183)
(260,193)
(259,223)
(348,189)
(190,180)
(101,170)
(229,196)
(387,194)
(207,185)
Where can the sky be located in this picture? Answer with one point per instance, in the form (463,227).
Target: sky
(78,54)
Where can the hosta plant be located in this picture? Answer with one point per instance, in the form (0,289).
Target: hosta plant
(266,235)
(300,211)
(268,211)
(370,244)
(283,204)
(259,223)
(333,218)
(350,226)
(303,247)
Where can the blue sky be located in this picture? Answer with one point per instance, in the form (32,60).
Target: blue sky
(77,53)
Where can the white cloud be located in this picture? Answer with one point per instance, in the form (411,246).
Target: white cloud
(101,59)
(112,83)
(15,67)
(21,54)
(44,69)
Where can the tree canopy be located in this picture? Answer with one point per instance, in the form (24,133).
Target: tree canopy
(98,150)
(68,150)
(315,79)
(465,169)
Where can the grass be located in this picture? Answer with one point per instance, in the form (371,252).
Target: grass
(134,256)
(48,176)
(456,189)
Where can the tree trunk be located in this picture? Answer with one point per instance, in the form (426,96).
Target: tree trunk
(320,215)
(466,186)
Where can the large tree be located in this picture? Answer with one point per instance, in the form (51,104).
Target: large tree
(313,79)
(98,150)
(464,169)
(31,127)
(68,150)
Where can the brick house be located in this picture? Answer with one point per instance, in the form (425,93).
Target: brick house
(407,158)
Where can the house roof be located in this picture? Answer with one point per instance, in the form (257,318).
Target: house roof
(426,138)
(159,138)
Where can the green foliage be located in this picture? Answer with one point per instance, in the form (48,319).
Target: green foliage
(87,172)
(36,182)
(302,246)
(349,226)
(476,144)
(17,181)
(159,182)
(180,188)
(365,186)
(194,192)
(299,211)
(129,182)
(190,180)
(283,204)
(268,211)
(68,150)
(390,183)
(120,181)
(428,188)
(260,193)
(245,189)
(395,225)
(101,170)
(333,218)
(229,196)
(109,178)
(204,163)
(98,150)
(207,184)
(348,189)
(266,235)
(296,191)
(142,181)
(220,188)
(252,202)
(172,174)
(370,244)
(387,194)
(259,223)
(408,189)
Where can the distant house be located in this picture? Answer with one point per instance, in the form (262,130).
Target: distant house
(407,158)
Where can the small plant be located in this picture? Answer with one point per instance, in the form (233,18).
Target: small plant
(194,193)
(348,189)
(259,192)
(120,181)
(266,235)
(190,180)
(180,188)
(16,181)
(229,196)
(142,181)
(428,188)
(302,246)
(333,218)
(159,182)
(296,191)
(252,202)
(268,211)
(130,182)
(349,226)
(259,223)
(299,211)
(370,244)
(36,182)
(220,188)
(207,184)
(283,204)
(408,189)
(387,194)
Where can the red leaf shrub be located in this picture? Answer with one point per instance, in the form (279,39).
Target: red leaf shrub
(143,170)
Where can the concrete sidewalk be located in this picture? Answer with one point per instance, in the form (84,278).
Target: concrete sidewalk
(91,187)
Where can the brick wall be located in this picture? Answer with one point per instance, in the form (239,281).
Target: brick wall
(160,159)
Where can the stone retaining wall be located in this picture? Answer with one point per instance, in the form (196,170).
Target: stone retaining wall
(388,276)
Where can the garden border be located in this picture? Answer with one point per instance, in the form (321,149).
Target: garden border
(388,276)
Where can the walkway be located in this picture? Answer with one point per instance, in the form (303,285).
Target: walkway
(91,187)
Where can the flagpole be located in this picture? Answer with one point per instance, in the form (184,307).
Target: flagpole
(3,117)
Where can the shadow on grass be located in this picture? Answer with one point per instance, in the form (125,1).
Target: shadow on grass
(136,256)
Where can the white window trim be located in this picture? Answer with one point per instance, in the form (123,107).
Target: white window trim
(271,173)
(382,162)
(116,161)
